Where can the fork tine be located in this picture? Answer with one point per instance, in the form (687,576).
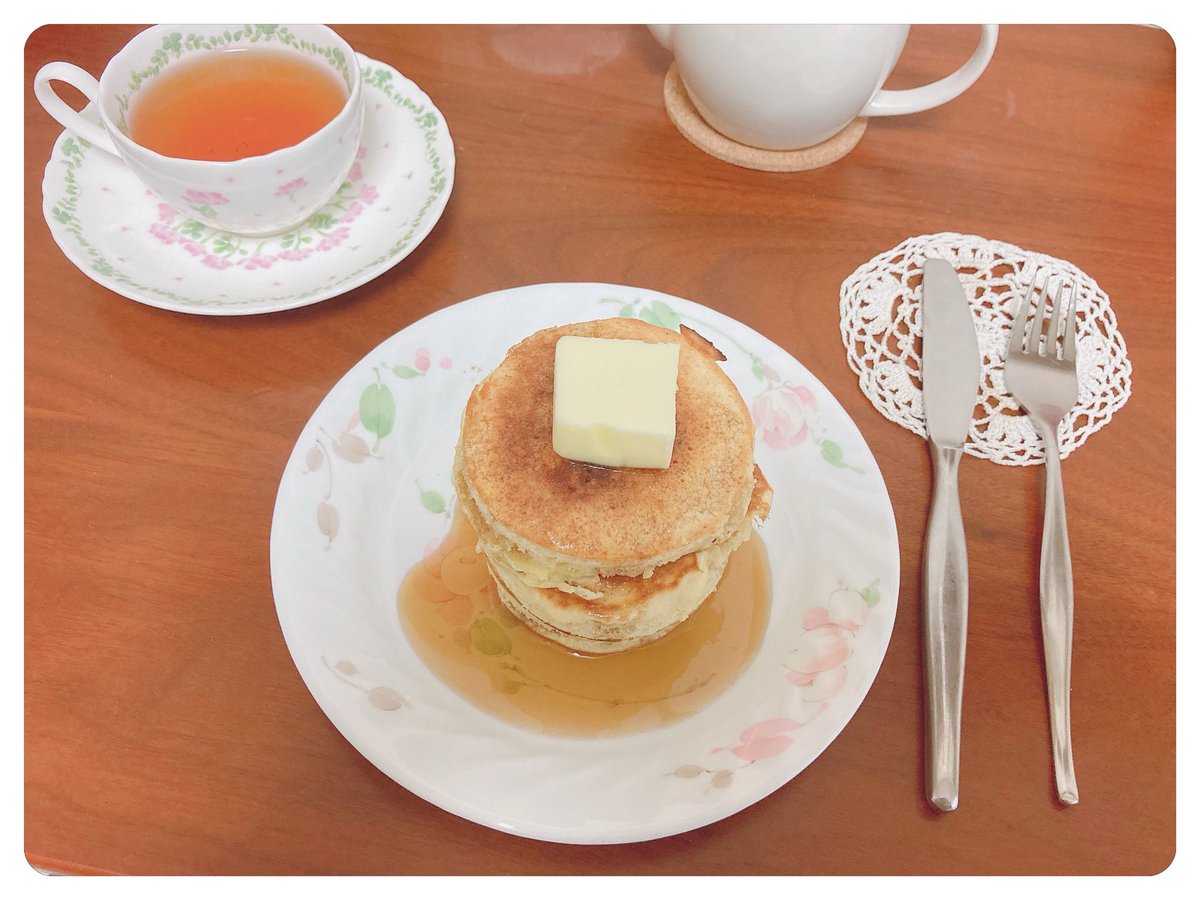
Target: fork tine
(1035,339)
(1016,343)
(1068,353)
(1055,324)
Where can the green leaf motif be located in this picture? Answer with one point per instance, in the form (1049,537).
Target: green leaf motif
(870,594)
(377,410)
(406,372)
(666,316)
(489,637)
(832,454)
(432,500)
(648,315)
(225,245)
(626,311)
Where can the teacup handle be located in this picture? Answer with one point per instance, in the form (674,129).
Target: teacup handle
(57,107)
(899,103)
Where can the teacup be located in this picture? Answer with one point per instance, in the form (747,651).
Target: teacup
(253,195)
(787,87)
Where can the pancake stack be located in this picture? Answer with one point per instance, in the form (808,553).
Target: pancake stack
(598,559)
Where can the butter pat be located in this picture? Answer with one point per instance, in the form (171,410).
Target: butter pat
(614,401)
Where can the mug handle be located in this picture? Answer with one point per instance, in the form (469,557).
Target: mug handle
(899,103)
(66,116)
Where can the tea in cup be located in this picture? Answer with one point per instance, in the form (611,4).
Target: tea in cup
(787,87)
(249,128)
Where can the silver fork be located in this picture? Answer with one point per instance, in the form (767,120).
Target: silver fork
(1040,374)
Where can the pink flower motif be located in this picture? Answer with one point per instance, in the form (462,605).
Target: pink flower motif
(821,649)
(766,739)
(166,214)
(206,198)
(257,261)
(362,151)
(784,414)
(849,609)
(356,172)
(800,679)
(815,617)
(216,262)
(193,248)
(334,238)
(291,187)
(295,254)
(445,362)
(369,194)
(353,212)
(821,686)
(163,233)
(422,361)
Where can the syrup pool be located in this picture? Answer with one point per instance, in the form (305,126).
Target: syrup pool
(454,619)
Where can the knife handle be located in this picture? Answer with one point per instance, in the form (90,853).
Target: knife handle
(945,629)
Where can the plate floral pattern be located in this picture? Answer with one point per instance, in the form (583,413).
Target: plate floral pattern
(123,236)
(366,494)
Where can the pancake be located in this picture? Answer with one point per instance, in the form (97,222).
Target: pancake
(605,559)
(627,611)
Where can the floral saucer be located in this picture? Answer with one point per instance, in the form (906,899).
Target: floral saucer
(367,493)
(122,236)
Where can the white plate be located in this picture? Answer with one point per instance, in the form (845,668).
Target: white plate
(367,491)
(122,236)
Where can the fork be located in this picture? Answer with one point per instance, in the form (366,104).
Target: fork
(1040,375)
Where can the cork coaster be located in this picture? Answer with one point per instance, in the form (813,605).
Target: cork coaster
(692,126)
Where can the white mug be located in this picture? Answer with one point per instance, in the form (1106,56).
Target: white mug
(255,195)
(786,87)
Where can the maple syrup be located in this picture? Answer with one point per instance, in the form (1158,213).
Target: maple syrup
(454,619)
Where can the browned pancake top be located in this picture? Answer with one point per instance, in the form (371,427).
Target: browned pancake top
(608,515)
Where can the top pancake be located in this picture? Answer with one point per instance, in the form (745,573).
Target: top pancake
(613,520)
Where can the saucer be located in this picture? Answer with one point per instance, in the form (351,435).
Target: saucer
(367,492)
(121,235)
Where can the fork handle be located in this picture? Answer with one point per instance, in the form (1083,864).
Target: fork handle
(945,628)
(1058,613)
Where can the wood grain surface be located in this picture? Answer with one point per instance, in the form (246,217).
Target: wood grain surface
(166,729)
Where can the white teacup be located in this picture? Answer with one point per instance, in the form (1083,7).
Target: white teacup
(255,195)
(786,87)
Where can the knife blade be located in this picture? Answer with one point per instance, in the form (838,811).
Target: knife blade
(949,386)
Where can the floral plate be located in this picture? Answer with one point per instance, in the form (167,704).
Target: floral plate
(367,492)
(122,236)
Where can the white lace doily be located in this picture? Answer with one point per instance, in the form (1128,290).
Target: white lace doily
(881,329)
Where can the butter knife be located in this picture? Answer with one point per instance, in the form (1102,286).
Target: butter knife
(950,386)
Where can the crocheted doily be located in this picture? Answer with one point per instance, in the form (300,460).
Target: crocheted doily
(881,329)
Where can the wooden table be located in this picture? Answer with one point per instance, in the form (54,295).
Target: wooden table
(166,728)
